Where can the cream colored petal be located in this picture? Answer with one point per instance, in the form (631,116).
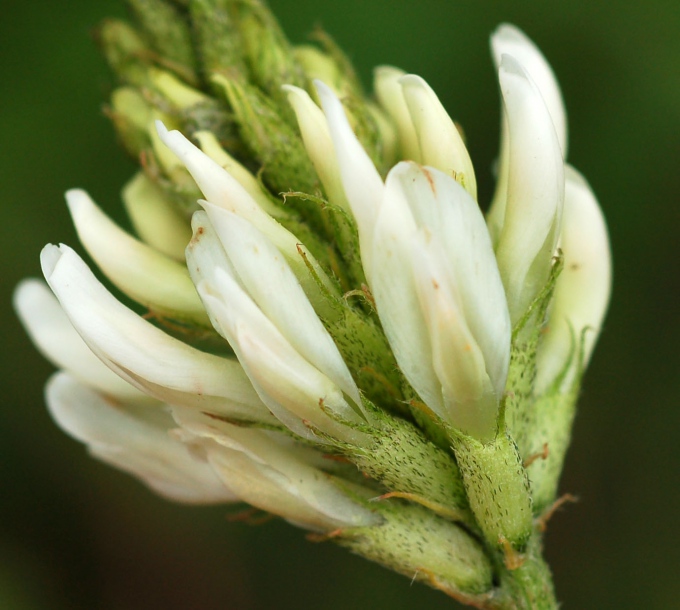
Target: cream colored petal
(134,440)
(311,500)
(162,366)
(583,288)
(144,274)
(271,473)
(221,189)
(53,334)
(211,147)
(223,192)
(361,181)
(154,218)
(510,40)
(462,247)
(391,97)
(440,297)
(441,145)
(287,383)
(396,295)
(269,281)
(318,142)
(470,402)
(535,190)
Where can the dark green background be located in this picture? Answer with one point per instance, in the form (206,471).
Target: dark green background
(75,534)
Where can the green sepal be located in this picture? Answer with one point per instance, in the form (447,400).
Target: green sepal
(525,581)
(402,459)
(362,344)
(497,487)
(368,356)
(345,235)
(432,425)
(551,425)
(414,541)
(518,402)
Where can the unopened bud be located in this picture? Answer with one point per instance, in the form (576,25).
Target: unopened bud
(125,51)
(155,219)
(218,41)
(391,97)
(319,65)
(169,34)
(175,91)
(131,115)
(145,275)
(275,144)
(268,52)
(441,145)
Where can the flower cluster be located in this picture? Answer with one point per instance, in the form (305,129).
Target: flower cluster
(369,334)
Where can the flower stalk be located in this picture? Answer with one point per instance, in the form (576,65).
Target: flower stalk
(335,333)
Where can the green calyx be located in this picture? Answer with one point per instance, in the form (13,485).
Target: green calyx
(415,542)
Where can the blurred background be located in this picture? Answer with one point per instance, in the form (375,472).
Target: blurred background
(76,534)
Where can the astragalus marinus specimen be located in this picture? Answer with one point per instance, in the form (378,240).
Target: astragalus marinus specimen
(333,331)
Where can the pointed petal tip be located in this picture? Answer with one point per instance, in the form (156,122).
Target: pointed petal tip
(508,31)
(161,129)
(413,79)
(329,100)
(300,100)
(175,140)
(322,87)
(386,71)
(75,194)
(49,257)
(506,36)
(78,201)
(26,293)
(292,89)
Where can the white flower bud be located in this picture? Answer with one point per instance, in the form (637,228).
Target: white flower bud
(391,97)
(275,475)
(317,139)
(441,145)
(440,298)
(582,290)
(211,147)
(142,354)
(361,181)
(535,190)
(157,222)
(257,304)
(223,191)
(53,334)
(510,40)
(136,440)
(144,274)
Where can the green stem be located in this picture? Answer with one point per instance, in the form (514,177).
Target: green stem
(529,586)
